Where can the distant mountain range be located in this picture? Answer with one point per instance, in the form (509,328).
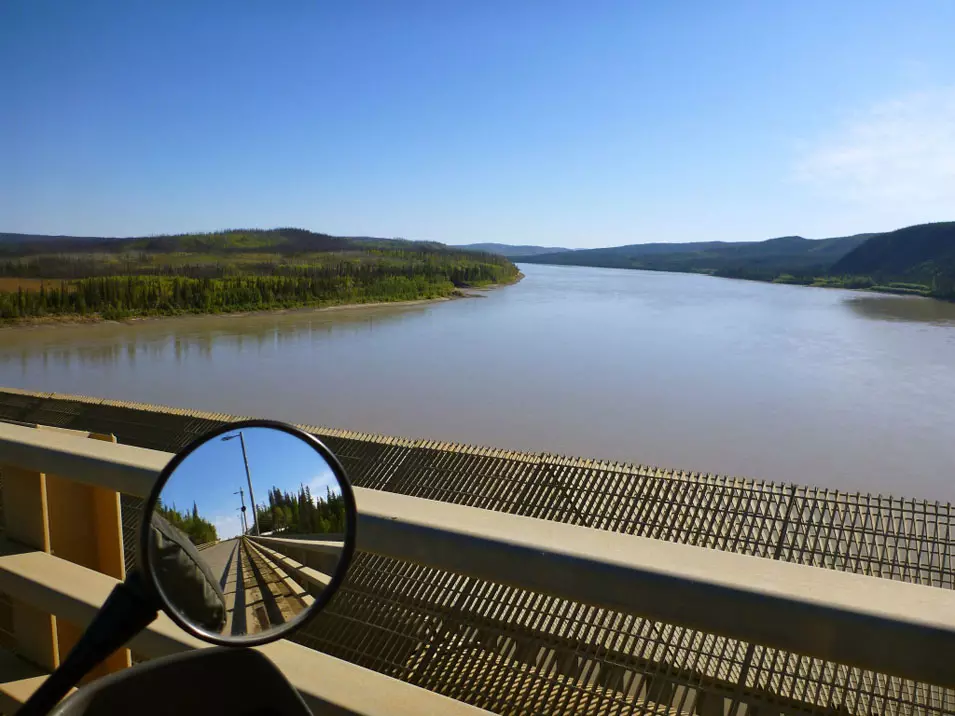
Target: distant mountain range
(788,253)
(509,250)
(916,259)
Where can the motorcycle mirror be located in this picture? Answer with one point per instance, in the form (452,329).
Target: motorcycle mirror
(248,533)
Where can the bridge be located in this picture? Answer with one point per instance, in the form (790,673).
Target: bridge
(264,587)
(493,581)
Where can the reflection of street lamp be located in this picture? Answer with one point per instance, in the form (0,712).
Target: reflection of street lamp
(248,476)
(245,525)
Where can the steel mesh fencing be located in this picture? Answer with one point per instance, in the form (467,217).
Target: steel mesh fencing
(516,651)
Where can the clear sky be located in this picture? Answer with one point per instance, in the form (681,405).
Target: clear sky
(212,475)
(560,123)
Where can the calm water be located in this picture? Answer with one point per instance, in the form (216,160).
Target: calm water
(787,383)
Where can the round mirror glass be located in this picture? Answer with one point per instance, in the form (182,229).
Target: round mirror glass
(249,532)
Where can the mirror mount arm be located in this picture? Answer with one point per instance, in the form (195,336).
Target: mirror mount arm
(128,610)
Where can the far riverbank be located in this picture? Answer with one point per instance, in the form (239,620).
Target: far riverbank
(77,319)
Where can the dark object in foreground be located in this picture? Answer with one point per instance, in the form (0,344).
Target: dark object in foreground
(209,681)
(185,576)
(173,576)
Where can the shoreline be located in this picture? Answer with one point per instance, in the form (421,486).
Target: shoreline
(79,320)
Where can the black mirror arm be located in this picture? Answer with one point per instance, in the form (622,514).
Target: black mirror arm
(128,610)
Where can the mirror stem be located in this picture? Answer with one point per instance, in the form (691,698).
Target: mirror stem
(127,611)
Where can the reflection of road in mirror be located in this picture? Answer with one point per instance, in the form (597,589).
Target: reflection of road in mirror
(222,559)
(251,497)
(260,595)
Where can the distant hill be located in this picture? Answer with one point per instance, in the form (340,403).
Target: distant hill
(7,239)
(917,259)
(372,242)
(285,240)
(756,259)
(916,253)
(509,250)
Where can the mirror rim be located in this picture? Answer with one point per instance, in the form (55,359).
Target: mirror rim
(348,547)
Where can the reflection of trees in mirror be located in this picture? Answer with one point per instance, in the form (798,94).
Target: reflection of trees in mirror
(301,513)
(199,530)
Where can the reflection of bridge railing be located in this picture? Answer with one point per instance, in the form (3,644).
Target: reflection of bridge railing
(63,531)
(313,558)
(886,626)
(298,586)
(309,562)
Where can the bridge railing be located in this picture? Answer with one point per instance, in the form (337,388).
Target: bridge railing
(62,553)
(311,560)
(885,626)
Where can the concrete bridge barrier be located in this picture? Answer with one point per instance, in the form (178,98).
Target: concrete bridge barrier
(510,644)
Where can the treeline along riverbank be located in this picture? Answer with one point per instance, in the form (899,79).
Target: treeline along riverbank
(230,271)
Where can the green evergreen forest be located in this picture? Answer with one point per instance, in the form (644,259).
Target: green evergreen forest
(231,271)
(301,513)
(195,527)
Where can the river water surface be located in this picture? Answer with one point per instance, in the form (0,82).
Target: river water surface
(816,386)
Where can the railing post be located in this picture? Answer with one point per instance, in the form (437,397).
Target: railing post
(86,528)
(27,522)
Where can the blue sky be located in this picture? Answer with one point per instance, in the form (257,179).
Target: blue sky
(215,471)
(567,123)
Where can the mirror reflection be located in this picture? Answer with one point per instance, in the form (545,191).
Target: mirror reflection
(247,532)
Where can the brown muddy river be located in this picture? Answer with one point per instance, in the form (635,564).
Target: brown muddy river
(817,386)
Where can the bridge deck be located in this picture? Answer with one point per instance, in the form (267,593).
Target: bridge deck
(511,650)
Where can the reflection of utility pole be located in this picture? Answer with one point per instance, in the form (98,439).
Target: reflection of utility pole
(248,476)
(245,529)
(245,524)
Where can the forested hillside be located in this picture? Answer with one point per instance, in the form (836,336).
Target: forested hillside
(918,259)
(511,250)
(923,254)
(229,271)
(756,259)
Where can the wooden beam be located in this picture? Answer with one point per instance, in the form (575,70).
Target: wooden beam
(18,681)
(86,529)
(27,518)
